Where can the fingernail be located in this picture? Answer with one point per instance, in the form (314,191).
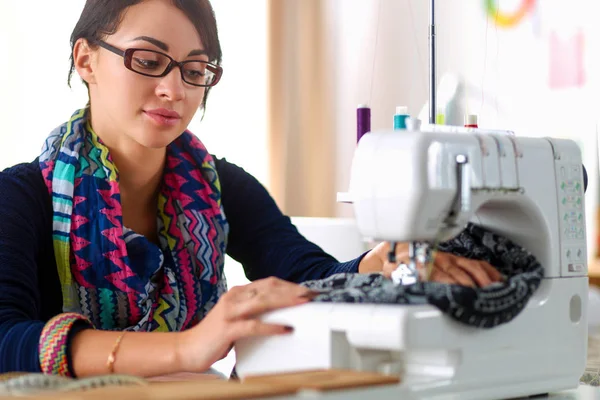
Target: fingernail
(288,329)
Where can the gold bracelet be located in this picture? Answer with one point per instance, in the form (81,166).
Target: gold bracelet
(110,363)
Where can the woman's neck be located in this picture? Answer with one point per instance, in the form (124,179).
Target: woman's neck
(140,175)
(140,169)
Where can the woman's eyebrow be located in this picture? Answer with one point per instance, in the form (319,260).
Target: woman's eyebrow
(165,47)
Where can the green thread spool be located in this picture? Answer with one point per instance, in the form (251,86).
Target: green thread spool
(400,117)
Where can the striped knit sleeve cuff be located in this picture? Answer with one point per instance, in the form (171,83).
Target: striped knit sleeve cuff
(53,343)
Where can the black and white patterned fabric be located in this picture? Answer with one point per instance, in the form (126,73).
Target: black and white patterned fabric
(480,307)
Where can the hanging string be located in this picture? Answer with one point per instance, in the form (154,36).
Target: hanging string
(414,33)
(375,52)
(497,65)
(487,22)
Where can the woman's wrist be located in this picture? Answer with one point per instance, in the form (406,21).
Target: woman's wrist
(370,263)
(181,351)
(186,360)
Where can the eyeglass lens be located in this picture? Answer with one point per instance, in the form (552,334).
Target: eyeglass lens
(154,64)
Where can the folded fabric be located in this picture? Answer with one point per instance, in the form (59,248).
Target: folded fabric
(26,384)
(480,307)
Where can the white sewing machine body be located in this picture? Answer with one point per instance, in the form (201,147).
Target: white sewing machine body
(403,186)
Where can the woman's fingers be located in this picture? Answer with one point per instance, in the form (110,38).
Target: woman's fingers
(266,295)
(254,327)
(447,263)
(460,276)
(481,271)
(475,269)
(437,275)
(493,273)
(264,302)
(271,283)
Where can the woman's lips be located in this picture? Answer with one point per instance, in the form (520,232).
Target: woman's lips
(163,117)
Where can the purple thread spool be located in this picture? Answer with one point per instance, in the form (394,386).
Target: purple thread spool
(363,121)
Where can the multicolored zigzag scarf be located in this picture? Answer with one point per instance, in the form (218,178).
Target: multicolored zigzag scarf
(114,276)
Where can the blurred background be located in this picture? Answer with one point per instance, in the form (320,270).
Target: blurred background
(295,70)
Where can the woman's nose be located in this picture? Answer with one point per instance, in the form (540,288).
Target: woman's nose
(172,86)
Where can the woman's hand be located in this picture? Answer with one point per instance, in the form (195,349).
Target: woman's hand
(236,316)
(447,268)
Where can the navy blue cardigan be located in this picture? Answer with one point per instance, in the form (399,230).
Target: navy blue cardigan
(261,238)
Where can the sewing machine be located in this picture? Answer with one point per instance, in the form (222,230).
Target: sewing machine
(426,185)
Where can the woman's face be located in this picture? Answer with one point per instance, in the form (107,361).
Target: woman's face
(130,108)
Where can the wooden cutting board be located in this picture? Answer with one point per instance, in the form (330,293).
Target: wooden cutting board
(323,380)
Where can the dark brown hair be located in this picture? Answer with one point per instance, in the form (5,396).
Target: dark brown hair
(101,18)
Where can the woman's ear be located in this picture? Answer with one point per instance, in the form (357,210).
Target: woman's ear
(84,58)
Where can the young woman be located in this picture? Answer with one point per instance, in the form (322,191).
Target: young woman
(112,241)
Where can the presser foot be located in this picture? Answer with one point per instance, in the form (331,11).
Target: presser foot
(417,269)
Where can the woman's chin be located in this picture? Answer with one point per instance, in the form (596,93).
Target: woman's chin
(157,141)
(153,138)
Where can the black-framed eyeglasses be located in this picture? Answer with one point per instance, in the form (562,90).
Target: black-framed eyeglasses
(156,64)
